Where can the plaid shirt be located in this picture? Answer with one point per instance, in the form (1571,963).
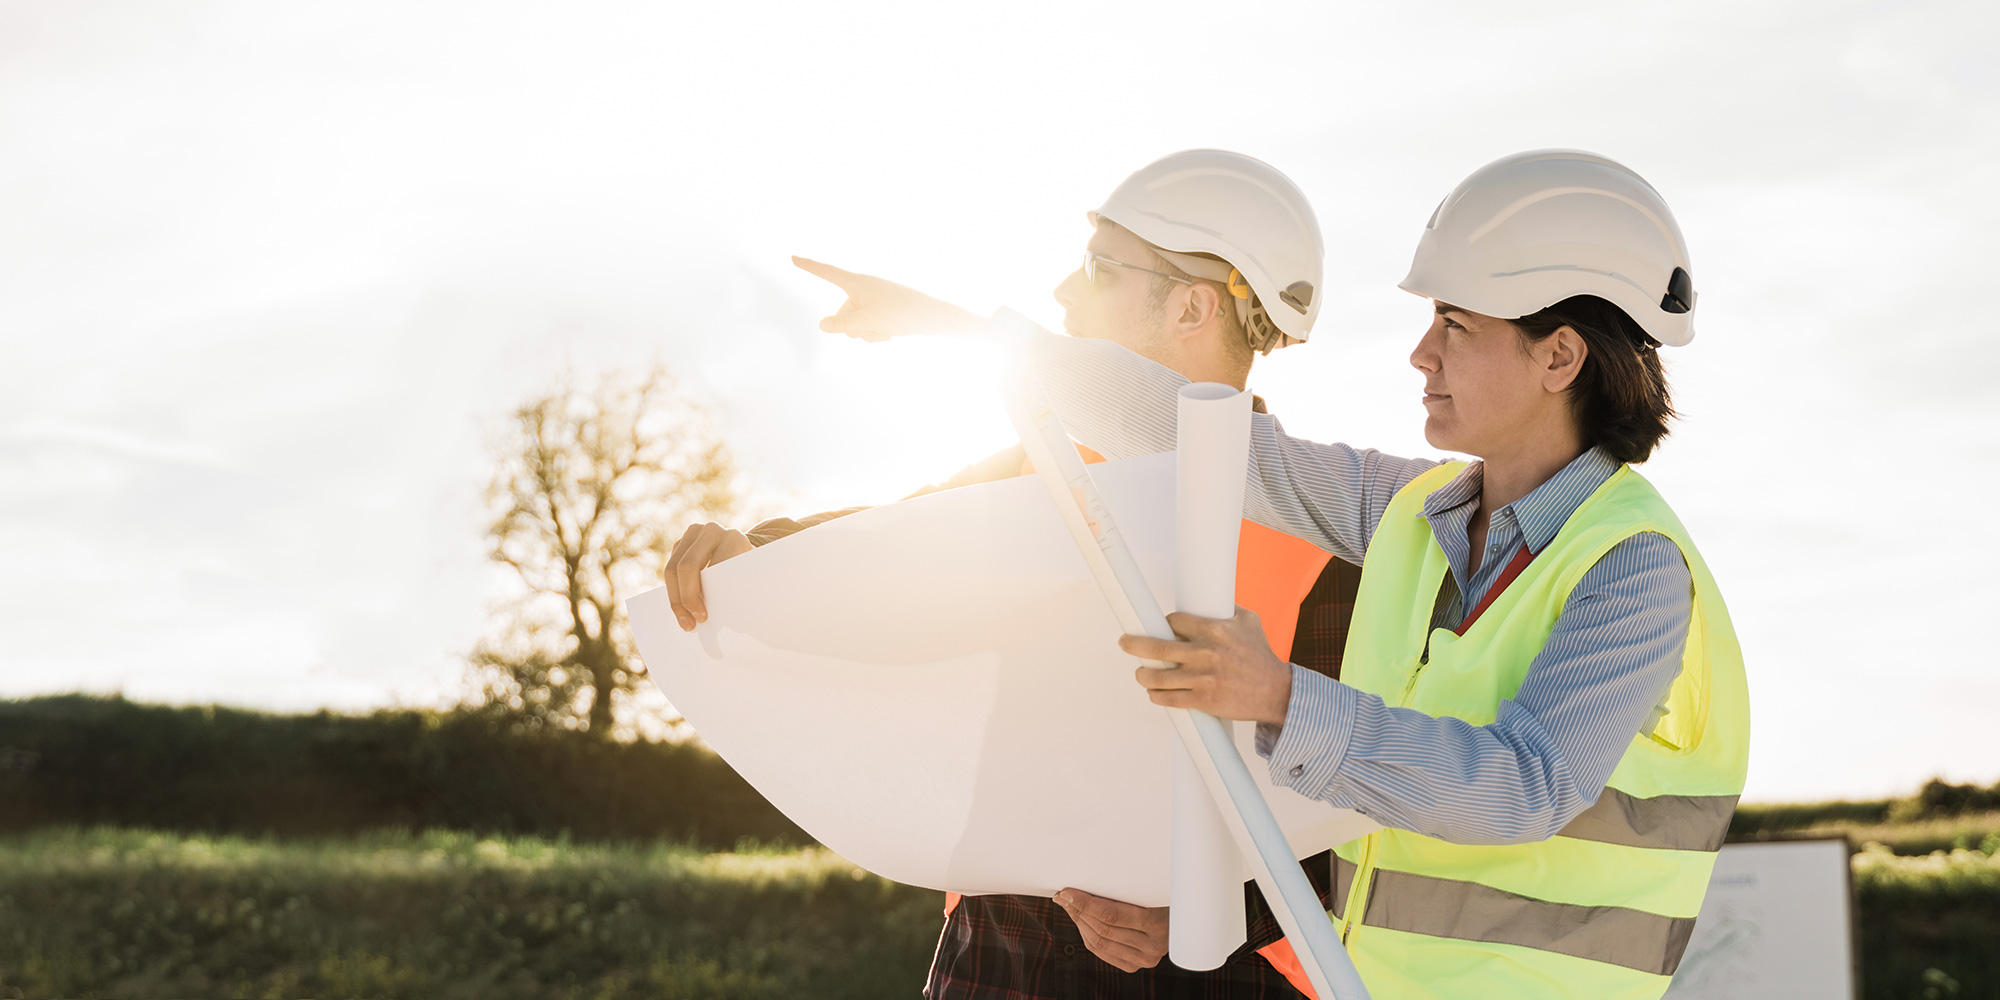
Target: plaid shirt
(1006,947)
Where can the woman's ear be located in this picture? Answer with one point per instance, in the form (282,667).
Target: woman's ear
(1561,356)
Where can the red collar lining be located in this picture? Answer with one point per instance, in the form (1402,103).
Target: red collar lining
(1500,584)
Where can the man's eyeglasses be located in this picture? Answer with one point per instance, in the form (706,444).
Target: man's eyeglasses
(1092,259)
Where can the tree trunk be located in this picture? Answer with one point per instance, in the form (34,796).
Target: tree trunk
(602,661)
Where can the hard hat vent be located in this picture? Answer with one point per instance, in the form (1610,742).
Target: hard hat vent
(1298,295)
(1680,293)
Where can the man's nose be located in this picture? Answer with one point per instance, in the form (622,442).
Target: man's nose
(1066,289)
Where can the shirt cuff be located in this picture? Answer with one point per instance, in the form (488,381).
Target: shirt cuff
(1307,751)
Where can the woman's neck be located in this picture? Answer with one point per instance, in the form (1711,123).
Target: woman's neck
(1509,477)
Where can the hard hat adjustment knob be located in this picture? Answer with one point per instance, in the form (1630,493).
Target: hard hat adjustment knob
(1680,293)
(1298,295)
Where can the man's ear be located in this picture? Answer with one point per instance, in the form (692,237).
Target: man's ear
(1200,303)
(1562,355)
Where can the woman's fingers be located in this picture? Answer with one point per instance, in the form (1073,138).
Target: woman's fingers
(1226,668)
(1184,687)
(1189,626)
(1179,699)
(1182,678)
(1146,647)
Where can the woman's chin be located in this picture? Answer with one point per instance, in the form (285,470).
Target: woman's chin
(1438,433)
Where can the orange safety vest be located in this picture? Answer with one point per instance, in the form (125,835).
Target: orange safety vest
(1274,573)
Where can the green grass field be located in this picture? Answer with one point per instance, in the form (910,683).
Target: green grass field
(108,912)
(122,913)
(640,904)
(1930,923)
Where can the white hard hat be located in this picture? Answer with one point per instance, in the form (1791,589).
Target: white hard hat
(1208,201)
(1532,229)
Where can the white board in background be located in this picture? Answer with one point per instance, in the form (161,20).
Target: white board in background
(1777,923)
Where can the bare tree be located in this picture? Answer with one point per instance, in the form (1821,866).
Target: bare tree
(595,480)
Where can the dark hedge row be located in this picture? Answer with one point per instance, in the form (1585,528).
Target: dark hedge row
(81,760)
(1752,821)
(76,759)
(1936,800)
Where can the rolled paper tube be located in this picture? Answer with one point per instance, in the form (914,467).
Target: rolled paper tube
(1212,454)
(1207,739)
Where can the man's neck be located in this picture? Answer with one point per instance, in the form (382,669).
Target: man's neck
(1213,369)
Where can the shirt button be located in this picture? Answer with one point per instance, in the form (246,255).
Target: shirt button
(1069,951)
(1298,769)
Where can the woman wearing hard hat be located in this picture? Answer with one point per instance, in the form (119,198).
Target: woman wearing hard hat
(1543,699)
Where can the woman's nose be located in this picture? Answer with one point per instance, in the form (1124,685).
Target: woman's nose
(1425,357)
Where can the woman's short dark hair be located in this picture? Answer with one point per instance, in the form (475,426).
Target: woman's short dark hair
(1619,399)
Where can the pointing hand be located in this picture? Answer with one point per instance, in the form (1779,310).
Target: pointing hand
(877,309)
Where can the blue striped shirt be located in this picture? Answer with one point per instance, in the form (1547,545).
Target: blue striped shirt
(1614,650)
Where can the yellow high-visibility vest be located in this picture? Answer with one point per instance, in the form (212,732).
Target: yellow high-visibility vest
(1604,908)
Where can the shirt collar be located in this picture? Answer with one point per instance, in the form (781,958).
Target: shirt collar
(1463,489)
(1547,507)
(1544,510)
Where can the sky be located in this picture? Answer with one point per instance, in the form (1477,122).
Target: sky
(273,275)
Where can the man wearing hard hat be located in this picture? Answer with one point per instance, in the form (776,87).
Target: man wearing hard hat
(1543,699)
(1198,262)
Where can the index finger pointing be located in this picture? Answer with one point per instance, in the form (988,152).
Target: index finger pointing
(826,271)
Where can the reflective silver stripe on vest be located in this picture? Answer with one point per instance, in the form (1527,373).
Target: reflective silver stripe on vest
(1664,822)
(1468,911)
(1343,883)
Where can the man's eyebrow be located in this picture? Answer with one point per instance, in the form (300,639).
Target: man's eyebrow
(1445,307)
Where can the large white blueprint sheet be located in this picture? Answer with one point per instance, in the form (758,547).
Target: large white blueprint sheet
(933,689)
